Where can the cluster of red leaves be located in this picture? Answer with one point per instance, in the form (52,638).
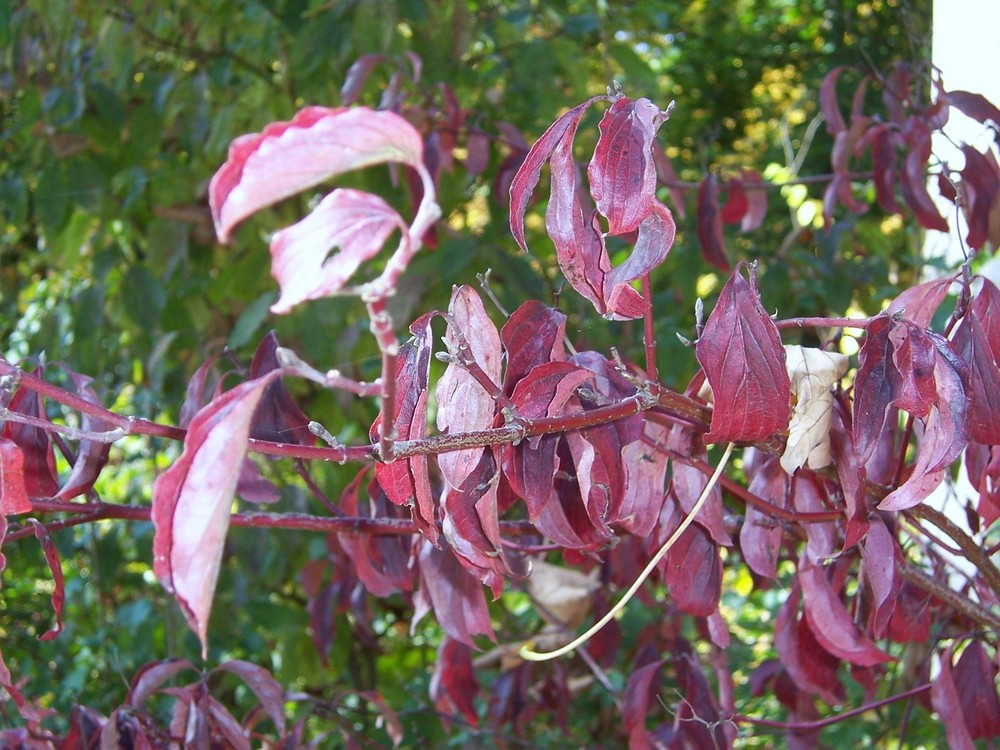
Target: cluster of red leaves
(583,452)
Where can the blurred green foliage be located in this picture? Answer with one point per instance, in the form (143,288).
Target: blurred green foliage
(114,117)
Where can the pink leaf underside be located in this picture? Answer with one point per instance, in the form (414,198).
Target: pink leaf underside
(920,302)
(38,458)
(289,157)
(58,581)
(455,596)
(192,499)
(875,387)
(831,623)
(353,223)
(744,361)
(463,404)
(621,173)
(526,178)
(645,475)
(879,566)
(808,497)
(828,102)
(687,482)
(756,201)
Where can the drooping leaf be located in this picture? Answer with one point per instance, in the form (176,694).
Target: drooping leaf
(533,335)
(355,223)
(455,597)
(831,622)
(913,178)
(38,465)
(151,676)
(980,192)
(91,455)
(761,534)
(976,106)
(58,580)
(828,105)
(982,465)
(948,705)
(192,499)
(697,713)
(463,404)
(687,482)
(645,475)
(821,537)
(812,372)
(357,74)
(640,691)
(879,557)
(809,669)
(263,685)
(316,145)
(973,347)
(713,245)
(736,204)
(756,209)
(693,570)
(876,385)
(278,418)
(454,685)
(741,353)
(975,682)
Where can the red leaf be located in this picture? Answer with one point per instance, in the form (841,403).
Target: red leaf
(640,692)
(533,335)
(761,533)
(263,685)
(645,474)
(406,482)
(807,497)
(656,237)
(524,182)
(192,499)
(884,166)
(666,175)
(91,455)
(913,179)
(622,174)
(876,385)
(919,303)
(454,685)
(355,222)
(530,467)
(976,106)
(713,246)
(880,553)
(744,361)
(828,105)
(911,616)
(455,596)
(697,718)
(693,570)
(151,676)
(982,464)
(381,562)
(289,157)
(946,701)
(687,482)
(13,490)
(38,458)
(55,567)
(975,682)
(830,621)
(980,188)
(736,204)
(463,404)
(972,345)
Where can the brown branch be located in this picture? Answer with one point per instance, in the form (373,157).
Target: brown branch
(973,552)
(953,599)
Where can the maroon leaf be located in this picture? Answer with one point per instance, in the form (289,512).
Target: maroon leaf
(406,482)
(356,76)
(975,682)
(946,701)
(972,345)
(38,459)
(713,245)
(692,569)
(455,596)
(667,175)
(976,106)
(223,723)
(622,174)
(828,105)
(278,418)
(533,335)
(884,166)
(151,676)
(13,490)
(454,685)
(640,693)
(524,182)
(982,464)
(830,621)
(289,157)
(911,616)
(645,475)
(913,179)
(477,147)
(263,685)
(807,497)
(744,361)
(876,385)
(736,204)
(58,581)
(381,562)
(761,534)
(192,499)
(697,717)
(980,191)
(687,482)
(91,455)
(880,553)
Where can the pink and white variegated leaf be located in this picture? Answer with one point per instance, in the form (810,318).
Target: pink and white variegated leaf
(354,223)
(288,157)
(192,500)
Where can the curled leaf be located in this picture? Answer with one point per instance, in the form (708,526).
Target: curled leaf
(813,372)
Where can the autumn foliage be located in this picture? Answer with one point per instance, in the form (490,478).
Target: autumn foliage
(526,464)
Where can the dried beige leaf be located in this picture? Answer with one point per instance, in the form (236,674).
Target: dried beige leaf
(563,594)
(812,372)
